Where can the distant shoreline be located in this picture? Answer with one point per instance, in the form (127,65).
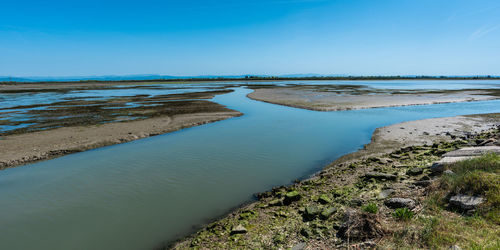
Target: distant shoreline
(262,78)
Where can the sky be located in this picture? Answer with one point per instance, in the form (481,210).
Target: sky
(259,37)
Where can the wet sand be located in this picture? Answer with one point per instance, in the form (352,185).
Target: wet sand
(334,98)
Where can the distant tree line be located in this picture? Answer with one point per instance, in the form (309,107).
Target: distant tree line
(279,78)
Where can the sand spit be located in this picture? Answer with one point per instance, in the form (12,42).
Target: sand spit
(26,148)
(334,98)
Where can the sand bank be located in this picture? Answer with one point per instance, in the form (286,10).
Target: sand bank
(336,98)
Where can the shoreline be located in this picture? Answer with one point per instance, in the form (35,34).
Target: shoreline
(21,149)
(450,130)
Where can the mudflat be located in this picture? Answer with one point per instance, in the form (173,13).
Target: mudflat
(42,130)
(349,97)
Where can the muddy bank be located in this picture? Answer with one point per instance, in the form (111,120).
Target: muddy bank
(349,97)
(347,205)
(45,131)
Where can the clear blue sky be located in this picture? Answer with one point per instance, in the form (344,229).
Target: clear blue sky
(227,37)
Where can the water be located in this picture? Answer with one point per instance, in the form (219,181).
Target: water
(138,194)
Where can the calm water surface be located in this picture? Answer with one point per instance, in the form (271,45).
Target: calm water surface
(136,195)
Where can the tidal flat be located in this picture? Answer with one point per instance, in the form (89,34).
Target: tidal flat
(165,187)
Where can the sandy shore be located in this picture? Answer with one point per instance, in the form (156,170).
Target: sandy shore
(356,97)
(421,132)
(25,148)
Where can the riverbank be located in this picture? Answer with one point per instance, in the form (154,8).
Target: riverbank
(348,204)
(349,97)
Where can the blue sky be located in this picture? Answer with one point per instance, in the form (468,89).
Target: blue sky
(229,37)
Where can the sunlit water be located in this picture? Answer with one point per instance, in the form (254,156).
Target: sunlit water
(138,194)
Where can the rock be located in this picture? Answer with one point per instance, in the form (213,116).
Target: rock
(263,195)
(356,202)
(448,172)
(327,212)
(400,166)
(466,202)
(324,199)
(415,171)
(238,230)
(375,160)
(455,247)
(489,142)
(462,154)
(291,197)
(380,176)
(395,156)
(400,203)
(423,183)
(276,202)
(385,193)
(311,212)
(437,168)
(425,178)
(300,246)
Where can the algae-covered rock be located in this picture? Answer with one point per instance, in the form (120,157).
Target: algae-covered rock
(311,212)
(238,230)
(276,202)
(291,197)
(380,176)
(327,213)
(324,199)
(415,171)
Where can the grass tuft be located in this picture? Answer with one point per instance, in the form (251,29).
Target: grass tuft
(370,208)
